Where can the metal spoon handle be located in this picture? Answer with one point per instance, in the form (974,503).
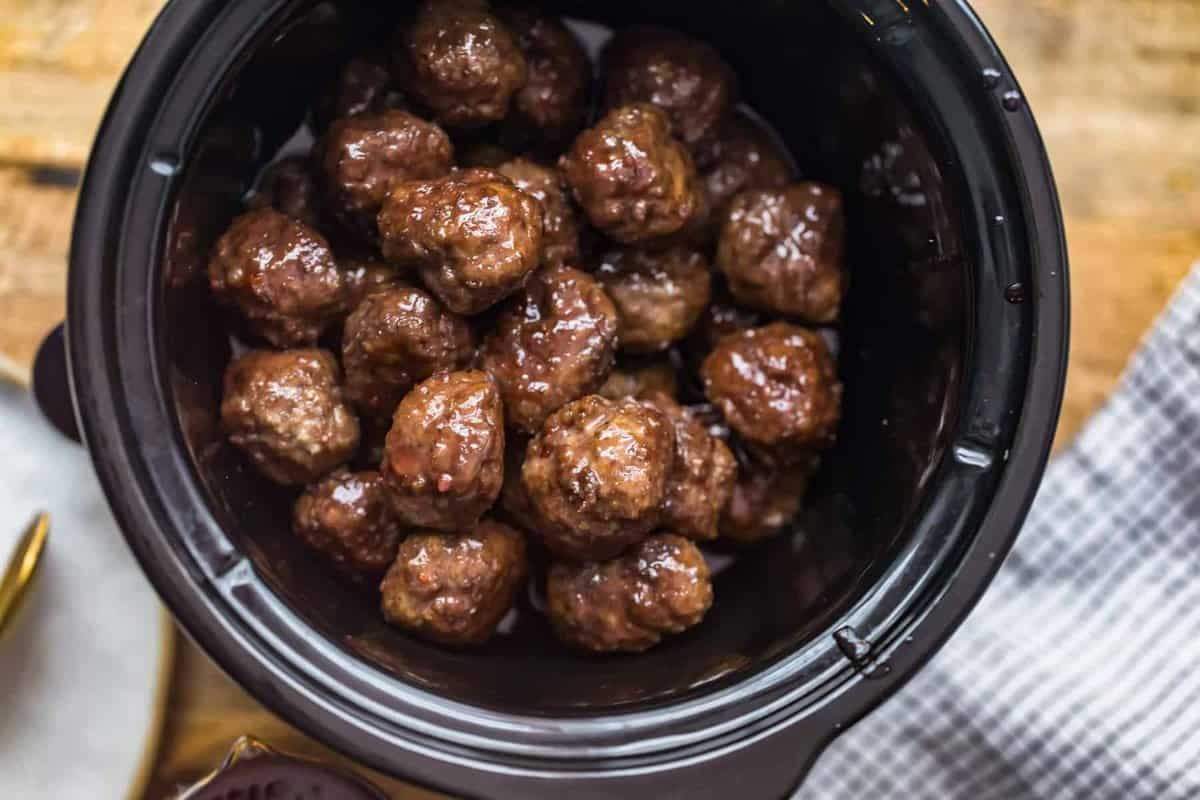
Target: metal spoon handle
(22,569)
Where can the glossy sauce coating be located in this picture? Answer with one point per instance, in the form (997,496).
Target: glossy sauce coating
(684,77)
(639,380)
(723,317)
(280,274)
(443,460)
(364,275)
(460,62)
(363,156)
(635,182)
(285,411)
(740,155)
(473,235)
(659,295)
(553,343)
(560,226)
(514,503)
(777,387)
(399,335)
(660,587)
(765,500)
(552,103)
(454,588)
(781,250)
(702,477)
(363,86)
(596,476)
(346,517)
(290,187)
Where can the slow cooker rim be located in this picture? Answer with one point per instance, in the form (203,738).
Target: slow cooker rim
(87,343)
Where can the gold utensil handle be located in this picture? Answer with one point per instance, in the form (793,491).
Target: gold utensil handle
(22,568)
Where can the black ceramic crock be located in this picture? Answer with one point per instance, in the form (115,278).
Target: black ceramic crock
(953,353)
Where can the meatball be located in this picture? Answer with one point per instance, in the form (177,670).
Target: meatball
(285,411)
(454,588)
(781,250)
(399,335)
(460,62)
(552,103)
(661,586)
(777,386)
(560,227)
(640,380)
(702,477)
(596,476)
(363,276)
(346,517)
(658,295)
(514,501)
(281,275)
(484,154)
(634,181)
(684,77)
(363,86)
(723,317)
(443,460)
(363,156)
(289,186)
(474,236)
(741,155)
(765,500)
(553,343)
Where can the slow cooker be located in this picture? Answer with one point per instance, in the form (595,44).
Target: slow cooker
(953,353)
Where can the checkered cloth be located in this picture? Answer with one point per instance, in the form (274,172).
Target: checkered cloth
(1077,675)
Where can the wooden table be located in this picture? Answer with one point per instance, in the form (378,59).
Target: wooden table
(1115,85)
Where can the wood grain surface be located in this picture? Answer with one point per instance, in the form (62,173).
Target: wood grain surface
(1115,85)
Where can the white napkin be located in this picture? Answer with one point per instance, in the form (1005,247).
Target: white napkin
(80,673)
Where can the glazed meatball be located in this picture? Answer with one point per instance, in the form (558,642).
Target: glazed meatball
(363,276)
(781,250)
(473,235)
(363,156)
(634,181)
(553,343)
(684,77)
(702,477)
(454,588)
(659,587)
(552,103)
(289,186)
(741,155)
(460,62)
(659,295)
(514,500)
(765,500)
(484,154)
(363,86)
(397,336)
(596,476)
(346,517)
(443,461)
(641,380)
(777,386)
(285,411)
(723,317)
(560,228)
(280,274)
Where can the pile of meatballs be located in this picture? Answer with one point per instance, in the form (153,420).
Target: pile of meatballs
(505,314)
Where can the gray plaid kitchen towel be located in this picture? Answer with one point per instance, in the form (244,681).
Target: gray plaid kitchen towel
(1078,675)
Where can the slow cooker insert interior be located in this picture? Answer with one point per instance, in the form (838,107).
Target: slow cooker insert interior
(805,69)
